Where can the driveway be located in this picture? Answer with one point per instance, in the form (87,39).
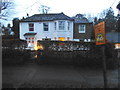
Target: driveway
(33,75)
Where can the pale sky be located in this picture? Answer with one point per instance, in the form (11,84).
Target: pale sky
(69,7)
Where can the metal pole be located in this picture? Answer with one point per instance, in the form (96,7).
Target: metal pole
(104,67)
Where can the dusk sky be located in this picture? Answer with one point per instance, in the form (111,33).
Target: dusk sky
(69,7)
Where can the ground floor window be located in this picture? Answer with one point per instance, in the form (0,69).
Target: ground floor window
(68,38)
(61,38)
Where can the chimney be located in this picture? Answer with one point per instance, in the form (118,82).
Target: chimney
(27,15)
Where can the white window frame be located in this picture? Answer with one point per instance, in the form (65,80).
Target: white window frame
(46,27)
(31,26)
(68,25)
(82,28)
(55,25)
(61,25)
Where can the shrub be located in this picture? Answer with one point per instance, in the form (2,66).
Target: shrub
(95,57)
(12,56)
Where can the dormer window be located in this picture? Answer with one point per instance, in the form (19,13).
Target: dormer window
(31,27)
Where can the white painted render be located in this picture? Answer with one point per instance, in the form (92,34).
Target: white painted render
(51,33)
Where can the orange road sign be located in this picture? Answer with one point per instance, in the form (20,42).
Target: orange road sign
(100,36)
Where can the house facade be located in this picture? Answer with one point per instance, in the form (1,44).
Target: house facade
(82,29)
(46,26)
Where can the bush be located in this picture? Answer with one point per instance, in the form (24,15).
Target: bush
(95,57)
(12,56)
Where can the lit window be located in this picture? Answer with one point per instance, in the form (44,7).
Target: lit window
(61,25)
(45,26)
(31,27)
(82,28)
(61,38)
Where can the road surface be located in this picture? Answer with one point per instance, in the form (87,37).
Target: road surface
(33,75)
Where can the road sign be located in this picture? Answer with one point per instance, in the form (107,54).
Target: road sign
(100,37)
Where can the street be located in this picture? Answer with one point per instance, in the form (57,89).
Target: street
(49,75)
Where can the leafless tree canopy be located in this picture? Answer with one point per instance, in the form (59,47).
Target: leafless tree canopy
(5,6)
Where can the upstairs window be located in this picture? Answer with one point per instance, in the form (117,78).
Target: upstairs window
(68,25)
(61,25)
(31,27)
(55,25)
(82,28)
(45,26)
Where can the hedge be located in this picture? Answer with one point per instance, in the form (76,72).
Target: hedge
(12,56)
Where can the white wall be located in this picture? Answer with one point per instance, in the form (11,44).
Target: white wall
(51,33)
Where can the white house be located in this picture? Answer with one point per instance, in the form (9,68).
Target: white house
(46,26)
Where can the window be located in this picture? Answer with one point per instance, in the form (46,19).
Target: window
(68,25)
(61,25)
(31,27)
(82,28)
(32,41)
(61,38)
(68,38)
(55,25)
(45,26)
(32,38)
(55,38)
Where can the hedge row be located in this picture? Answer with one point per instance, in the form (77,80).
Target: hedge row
(96,57)
(12,56)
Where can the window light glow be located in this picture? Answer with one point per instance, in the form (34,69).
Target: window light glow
(36,47)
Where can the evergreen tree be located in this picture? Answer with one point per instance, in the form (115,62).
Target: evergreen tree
(110,20)
(15,27)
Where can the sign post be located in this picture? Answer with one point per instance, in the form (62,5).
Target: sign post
(100,39)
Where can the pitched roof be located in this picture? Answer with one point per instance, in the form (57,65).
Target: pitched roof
(113,37)
(47,17)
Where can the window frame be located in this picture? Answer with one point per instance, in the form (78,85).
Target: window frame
(82,29)
(68,26)
(45,27)
(55,25)
(61,25)
(31,26)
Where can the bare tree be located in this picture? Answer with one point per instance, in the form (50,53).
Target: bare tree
(5,6)
(44,9)
(90,17)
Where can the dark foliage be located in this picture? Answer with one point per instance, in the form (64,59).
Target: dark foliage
(83,58)
(12,56)
(95,59)
(15,27)
(13,43)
